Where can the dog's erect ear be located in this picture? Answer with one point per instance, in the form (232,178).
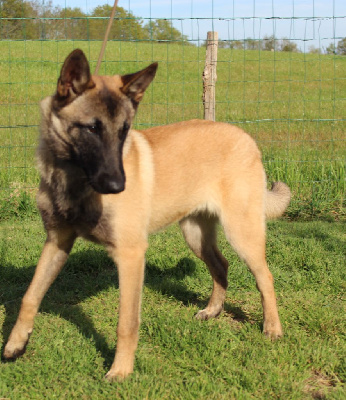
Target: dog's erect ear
(136,84)
(75,77)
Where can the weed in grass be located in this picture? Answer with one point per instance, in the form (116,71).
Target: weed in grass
(17,203)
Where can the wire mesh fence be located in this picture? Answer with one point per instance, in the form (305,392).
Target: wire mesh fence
(281,76)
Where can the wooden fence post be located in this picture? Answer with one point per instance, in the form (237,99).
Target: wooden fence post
(209,76)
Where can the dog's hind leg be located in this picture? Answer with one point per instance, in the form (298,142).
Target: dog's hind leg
(53,257)
(200,234)
(244,226)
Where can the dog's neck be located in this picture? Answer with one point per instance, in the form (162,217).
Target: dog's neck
(64,189)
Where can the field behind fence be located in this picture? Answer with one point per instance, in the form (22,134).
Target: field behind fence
(291,102)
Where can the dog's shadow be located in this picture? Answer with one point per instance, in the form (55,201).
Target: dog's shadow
(86,274)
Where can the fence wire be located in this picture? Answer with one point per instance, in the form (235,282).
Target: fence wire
(281,76)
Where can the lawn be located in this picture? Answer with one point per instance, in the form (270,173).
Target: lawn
(178,357)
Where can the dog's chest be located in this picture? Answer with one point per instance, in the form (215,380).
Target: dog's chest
(87,218)
(100,233)
(91,223)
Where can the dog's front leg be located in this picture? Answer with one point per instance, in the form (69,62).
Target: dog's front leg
(130,263)
(53,257)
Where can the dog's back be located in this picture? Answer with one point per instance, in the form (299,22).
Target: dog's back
(198,164)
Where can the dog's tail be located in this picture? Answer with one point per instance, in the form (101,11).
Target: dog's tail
(278,199)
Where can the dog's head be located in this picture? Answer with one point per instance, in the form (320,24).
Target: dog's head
(88,119)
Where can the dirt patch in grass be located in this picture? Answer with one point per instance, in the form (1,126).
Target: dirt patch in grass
(319,385)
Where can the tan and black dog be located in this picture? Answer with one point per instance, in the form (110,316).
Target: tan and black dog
(108,183)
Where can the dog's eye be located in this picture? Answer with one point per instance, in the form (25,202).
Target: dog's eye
(91,129)
(124,130)
(94,129)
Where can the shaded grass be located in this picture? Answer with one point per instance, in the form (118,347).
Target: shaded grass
(292,104)
(178,357)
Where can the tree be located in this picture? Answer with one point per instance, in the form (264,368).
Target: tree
(35,19)
(222,44)
(11,27)
(126,26)
(252,44)
(288,45)
(27,19)
(72,24)
(331,49)
(314,50)
(269,43)
(341,48)
(162,30)
(46,23)
(237,45)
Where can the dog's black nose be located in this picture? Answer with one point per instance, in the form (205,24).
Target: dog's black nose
(108,185)
(114,187)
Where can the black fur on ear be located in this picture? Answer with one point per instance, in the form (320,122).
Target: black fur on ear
(136,84)
(75,78)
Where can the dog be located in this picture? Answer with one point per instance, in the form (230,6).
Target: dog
(108,183)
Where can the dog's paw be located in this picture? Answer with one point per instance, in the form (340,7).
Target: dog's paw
(16,344)
(208,313)
(117,375)
(14,350)
(273,332)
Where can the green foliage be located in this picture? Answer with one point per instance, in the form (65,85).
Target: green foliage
(13,28)
(252,44)
(288,45)
(314,50)
(70,23)
(331,49)
(162,30)
(271,43)
(125,27)
(268,43)
(178,357)
(341,48)
(36,20)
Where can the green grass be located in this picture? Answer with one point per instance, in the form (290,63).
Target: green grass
(292,104)
(178,357)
